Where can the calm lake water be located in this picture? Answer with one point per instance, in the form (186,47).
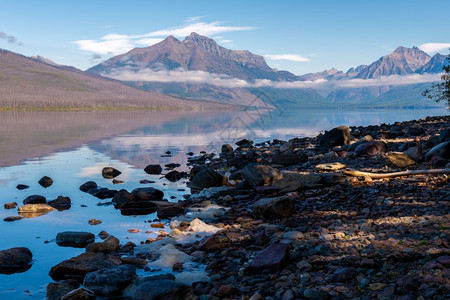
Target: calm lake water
(72,148)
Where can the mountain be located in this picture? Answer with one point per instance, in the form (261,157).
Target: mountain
(198,68)
(194,53)
(29,83)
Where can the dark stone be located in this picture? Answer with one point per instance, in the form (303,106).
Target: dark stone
(137,208)
(273,258)
(244,143)
(407,282)
(110,281)
(55,291)
(153,169)
(77,267)
(314,294)
(163,289)
(343,274)
(10,205)
(211,243)
(290,159)
(441,150)
(335,137)
(371,148)
(207,178)
(172,166)
(170,211)
(271,208)
(77,239)
(110,173)
(121,197)
(34,199)
(85,187)
(22,186)
(438,162)
(15,260)
(12,218)
(61,203)
(45,181)
(227,148)
(109,245)
(174,175)
(147,194)
(260,175)
(227,290)
(102,193)
(236,175)
(444,136)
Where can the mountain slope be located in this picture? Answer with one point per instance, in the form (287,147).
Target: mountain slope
(28,83)
(195,53)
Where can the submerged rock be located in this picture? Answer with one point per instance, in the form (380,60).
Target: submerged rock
(147,194)
(22,186)
(121,197)
(89,185)
(110,172)
(138,208)
(61,203)
(102,193)
(174,175)
(10,205)
(77,239)
(15,260)
(45,181)
(35,199)
(153,169)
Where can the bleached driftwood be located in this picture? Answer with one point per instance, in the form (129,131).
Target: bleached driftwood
(396,174)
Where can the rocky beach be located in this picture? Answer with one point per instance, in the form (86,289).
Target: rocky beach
(353,213)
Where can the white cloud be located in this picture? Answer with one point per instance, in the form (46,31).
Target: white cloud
(180,75)
(113,44)
(194,19)
(291,57)
(434,47)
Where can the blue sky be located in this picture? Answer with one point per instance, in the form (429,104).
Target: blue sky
(298,36)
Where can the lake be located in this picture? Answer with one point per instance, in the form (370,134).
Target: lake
(73,147)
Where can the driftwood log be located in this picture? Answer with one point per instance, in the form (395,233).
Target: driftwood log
(396,174)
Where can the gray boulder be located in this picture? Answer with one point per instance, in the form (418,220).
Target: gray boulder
(111,281)
(338,136)
(441,150)
(77,239)
(260,175)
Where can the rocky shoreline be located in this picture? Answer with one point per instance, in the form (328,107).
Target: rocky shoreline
(278,220)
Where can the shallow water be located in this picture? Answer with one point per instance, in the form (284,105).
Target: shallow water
(72,148)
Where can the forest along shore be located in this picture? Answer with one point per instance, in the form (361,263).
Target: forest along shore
(300,219)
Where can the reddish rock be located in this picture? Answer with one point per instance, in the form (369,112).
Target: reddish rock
(273,258)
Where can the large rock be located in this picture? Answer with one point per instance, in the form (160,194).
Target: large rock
(77,239)
(399,160)
(147,194)
(111,281)
(55,291)
(444,136)
(34,210)
(273,258)
(271,208)
(163,289)
(34,199)
(415,153)
(174,176)
(171,211)
(206,178)
(138,208)
(260,175)
(110,172)
(121,197)
(89,185)
(45,181)
(338,136)
(290,159)
(102,193)
(441,150)
(109,245)
(77,267)
(371,148)
(153,169)
(293,181)
(15,260)
(61,203)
